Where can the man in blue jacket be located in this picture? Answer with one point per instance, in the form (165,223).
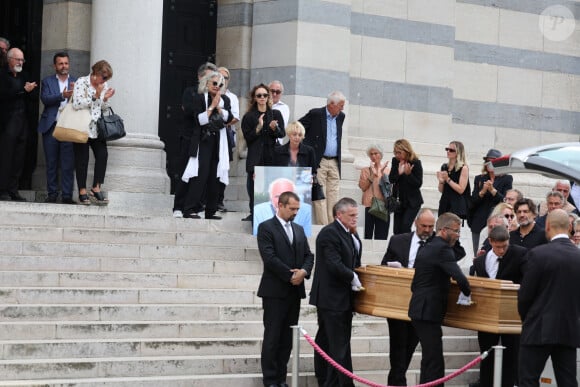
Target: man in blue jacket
(54,93)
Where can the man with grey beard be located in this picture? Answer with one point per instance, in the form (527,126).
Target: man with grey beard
(15,92)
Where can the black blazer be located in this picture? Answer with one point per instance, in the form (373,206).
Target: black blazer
(408,186)
(315,124)
(193,105)
(261,145)
(548,300)
(400,244)
(510,265)
(280,256)
(482,206)
(336,259)
(306,157)
(434,264)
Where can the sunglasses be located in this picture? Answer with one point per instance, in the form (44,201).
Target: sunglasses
(451,150)
(276,91)
(261,95)
(217,84)
(509,216)
(226,78)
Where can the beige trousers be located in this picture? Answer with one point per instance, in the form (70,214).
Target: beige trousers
(329,177)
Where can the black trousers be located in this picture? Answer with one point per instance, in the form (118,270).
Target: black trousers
(432,362)
(376,226)
(181,187)
(13,136)
(333,336)
(402,343)
(533,358)
(206,182)
(510,358)
(101,154)
(279,315)
(403,220)
(250,189)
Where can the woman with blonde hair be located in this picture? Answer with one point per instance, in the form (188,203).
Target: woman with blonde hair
(507,211)
(454,181)
(295,153)
(368,182)
(407,178)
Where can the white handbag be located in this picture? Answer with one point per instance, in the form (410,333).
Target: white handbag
(72,124)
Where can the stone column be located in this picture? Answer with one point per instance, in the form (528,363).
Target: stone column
(128,35)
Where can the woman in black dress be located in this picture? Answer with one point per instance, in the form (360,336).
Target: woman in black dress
(261,127)
(454,181)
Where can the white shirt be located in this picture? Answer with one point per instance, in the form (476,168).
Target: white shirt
(61,85)
(575,193)
(491,264)
(288,229)
(415,244)
(285,111)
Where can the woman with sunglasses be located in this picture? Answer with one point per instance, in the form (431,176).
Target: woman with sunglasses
(205,141)
(507,211)
(261,127)
(407,178)
(93,93)
(454,182)
(488,190)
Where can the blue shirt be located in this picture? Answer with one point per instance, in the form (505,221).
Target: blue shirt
(331,149)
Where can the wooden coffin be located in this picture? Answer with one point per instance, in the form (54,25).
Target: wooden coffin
(388,291)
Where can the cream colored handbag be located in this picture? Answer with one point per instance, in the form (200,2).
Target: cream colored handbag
(72,124)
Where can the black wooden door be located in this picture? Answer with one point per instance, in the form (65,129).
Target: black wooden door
(21,24)
(189,39)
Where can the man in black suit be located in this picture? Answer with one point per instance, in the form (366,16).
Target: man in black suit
(287,262)
(435,263)
(501,262)
(324,133)
(401,252)
(338,253)
(549,306)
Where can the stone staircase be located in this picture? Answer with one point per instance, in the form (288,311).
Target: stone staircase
(93,296)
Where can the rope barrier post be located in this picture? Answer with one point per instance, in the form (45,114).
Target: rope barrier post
(295,353)
(497,364)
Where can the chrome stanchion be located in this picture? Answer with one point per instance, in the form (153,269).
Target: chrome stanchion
(497,364)
(295,353)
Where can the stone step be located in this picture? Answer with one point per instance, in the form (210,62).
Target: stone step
(128,280)
(306,379)
(182,365)
(226,344)
(224,262)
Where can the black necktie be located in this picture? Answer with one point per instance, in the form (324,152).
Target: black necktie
(421,244)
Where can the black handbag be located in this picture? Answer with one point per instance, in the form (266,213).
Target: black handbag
(317,191)
(110,127)
(215,122)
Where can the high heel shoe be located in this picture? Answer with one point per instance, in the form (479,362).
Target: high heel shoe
(99,198)
(84,199)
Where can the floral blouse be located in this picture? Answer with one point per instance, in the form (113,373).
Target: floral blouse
(83,99)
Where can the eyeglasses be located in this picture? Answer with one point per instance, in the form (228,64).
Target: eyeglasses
(18,59)
(226,78)
(509,216)
(455,231)
(276,91)
(450,150)
(261,95)
(217,84)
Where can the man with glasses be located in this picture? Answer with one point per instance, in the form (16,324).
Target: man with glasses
(512,196)
(528,234)
(564,187)
(503,262)
(277,89)
(15,93)
(435,264)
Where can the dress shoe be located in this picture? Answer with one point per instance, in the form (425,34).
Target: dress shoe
(5,197)
(16,197)
(283,384)
(50,199)
(192,215)
(474,384)
(249,218)
(68,201)
(222,208)
(214,217)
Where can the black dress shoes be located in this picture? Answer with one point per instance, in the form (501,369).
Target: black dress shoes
(50,199)
(192,215)
(16,197)
(249,218)
(214,217)
(68,201)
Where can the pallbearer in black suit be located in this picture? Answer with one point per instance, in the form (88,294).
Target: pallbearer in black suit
(287,262)
(435,263)
(338,253)
(401,252)
(549,305)
(503,261)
